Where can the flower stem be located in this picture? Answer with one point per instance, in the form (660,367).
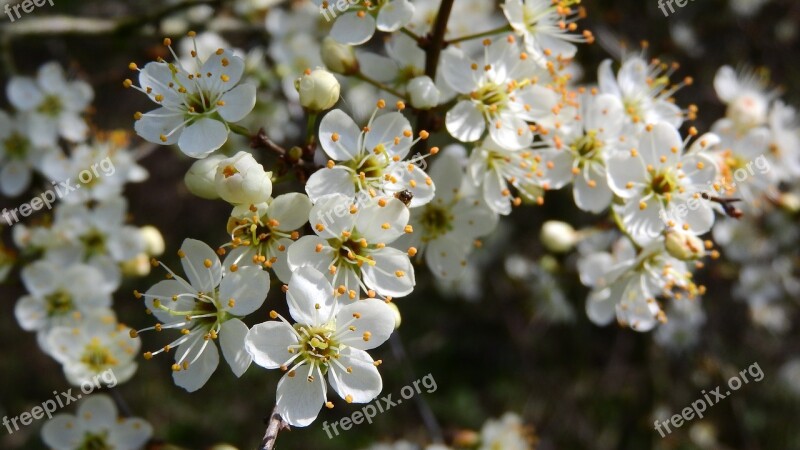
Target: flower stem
(381,86)
(274,425)
(482,34)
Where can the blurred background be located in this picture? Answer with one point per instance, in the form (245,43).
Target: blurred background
(514,336)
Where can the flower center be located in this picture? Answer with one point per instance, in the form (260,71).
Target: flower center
(492,97)
(97,356)
(317,345)
(93,441)
(51,106)
(16,146)
(59,303)
(435,221)
(588,146)
(663,183)
(95,242)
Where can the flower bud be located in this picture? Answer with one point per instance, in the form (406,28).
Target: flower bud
(339,58)
(558,237)
(153,240)
(200,177)
(241,180)
(319,90)
(423,92)
(136,267)
(683,245)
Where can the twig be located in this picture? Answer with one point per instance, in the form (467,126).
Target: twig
(122,405)
(424,409)
(275,425)
(382,86)
(437,43)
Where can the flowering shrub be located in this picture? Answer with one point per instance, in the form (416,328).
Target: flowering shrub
(371,154)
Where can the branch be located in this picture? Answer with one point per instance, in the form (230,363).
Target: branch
(275,425)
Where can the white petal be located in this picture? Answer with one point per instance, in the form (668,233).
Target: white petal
(385,129)
(225,63)
(726,84)
(31,313)
(447,258)
(660,142)
(363,383)
(203,137)
(165,290)
(493,187)
(247,287)
(239,101)
(593,199)
(336,180)
(383,276)
(606,79)
(160,122)
(347,132)
(15,177)
(395,15)
(374,317)
(98,413)
(304,253)
(62,432)
(414,180)
(290,210)
(298,400)
(310,297)
(351,29)
(371,219)
(199,371)
(511,132)
(198,253)
(132,433)
(268,343)
(330,216)
(23,93)
(231,340)
(600,307)
(465,122)
(457,71)
(72,127)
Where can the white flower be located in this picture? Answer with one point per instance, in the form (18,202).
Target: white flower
(94,345)
(352,246)
(558,237)
(498,91)
(60,295)
(102,168)
(423,92)
(357,23)
(496,170)
(547,27)
(200,178)
(645,91)
(445,229)
(55,104)
(205,308)
(507,433)
(785,146)
(241,180)
(19,154)
(370,161)
(579,147)
(338,58)
(746,96)
(662,186)
(197,104)
(330,339)
(627,283)
(319,90)
(262,234)
(96,425)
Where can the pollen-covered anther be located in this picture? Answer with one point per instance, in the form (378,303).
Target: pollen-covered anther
(329,405)
(412,251)
(273,314)
(408,229)
(348,398)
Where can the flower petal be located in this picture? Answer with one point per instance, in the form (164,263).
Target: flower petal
(247,288)
(310,297)
(363,383)
(465,122)
(198,255)
(268,343)
(239,101)
(231,340)
(373,316)
(202,137)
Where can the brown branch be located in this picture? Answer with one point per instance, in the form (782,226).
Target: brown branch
(275,425)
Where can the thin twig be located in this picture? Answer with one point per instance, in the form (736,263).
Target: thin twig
(122,405)
(275,425)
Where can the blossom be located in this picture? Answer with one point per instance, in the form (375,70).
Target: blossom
(197,104)
(55,104)
(497,170)
(445,229)
(746,96)
(95,345)
(60,295)
(547,27)
(645,91)
(498,92)
(262,234)
(352,246)
(328,338)
(241,180)
(358,22)
(19,153)
(663,186)
(370,160)
(206,308)
(319,90)
(578,148)
(96,425)
(507,432)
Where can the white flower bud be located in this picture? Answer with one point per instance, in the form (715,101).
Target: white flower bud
(558,237)
(200,177)
(241,180)
(338,58)
(319,90)
(136,267)
(153,240)
(423,92)
(683,245)
(748,111)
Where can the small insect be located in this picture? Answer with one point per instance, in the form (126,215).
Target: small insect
(727,205)
(404,196)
